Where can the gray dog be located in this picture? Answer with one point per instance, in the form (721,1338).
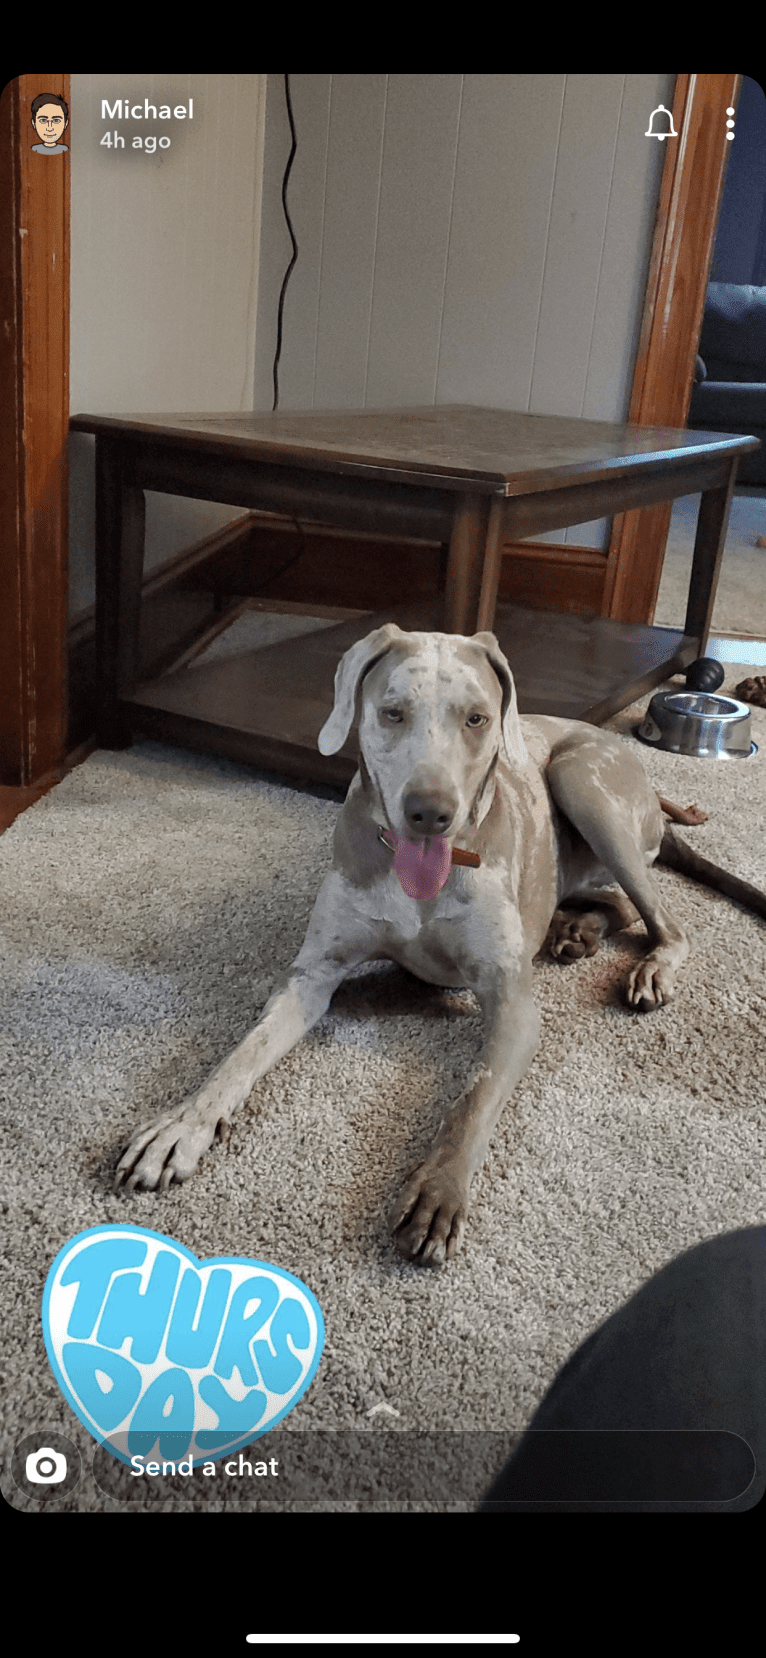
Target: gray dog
(464,832)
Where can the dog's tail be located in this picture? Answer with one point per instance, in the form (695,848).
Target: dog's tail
(677,855)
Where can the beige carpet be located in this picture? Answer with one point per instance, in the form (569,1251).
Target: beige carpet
(148,903)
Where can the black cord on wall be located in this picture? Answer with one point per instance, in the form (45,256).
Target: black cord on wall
(289,270)
(296,556)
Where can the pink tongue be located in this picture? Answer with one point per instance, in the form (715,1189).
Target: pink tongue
(422,867)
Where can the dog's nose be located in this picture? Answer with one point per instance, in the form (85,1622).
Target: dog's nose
(429,813)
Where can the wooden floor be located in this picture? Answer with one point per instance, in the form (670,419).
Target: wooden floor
(14,801)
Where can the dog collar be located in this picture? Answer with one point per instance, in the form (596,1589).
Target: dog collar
(459,856)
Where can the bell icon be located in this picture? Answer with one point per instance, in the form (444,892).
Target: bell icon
(664,119)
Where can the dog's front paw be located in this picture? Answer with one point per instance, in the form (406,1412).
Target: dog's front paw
(429,1216)
(170,1148)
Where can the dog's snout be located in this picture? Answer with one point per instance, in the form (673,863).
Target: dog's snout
(429,812)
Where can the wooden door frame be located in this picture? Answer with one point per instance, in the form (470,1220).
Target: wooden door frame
(34,378)
(34,392)
(684,238)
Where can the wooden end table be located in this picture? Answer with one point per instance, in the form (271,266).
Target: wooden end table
(469,477)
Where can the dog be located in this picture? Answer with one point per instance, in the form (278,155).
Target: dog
(468,840)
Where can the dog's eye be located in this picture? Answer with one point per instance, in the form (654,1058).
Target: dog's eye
(393,714)
(475,720)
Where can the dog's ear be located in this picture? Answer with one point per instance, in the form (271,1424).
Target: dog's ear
(515,746)
(348,677)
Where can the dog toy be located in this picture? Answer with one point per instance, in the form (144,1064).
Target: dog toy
(704,675)
(752,690)
(471,860)
(682,814)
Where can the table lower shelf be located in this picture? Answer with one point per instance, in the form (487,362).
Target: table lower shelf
(267,706)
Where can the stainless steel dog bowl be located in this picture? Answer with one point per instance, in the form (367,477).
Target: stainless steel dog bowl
(699,724)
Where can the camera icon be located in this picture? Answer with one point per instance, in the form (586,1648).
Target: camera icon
(45,1467)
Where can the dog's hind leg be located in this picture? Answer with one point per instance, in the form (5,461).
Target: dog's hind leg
(583,922)
(602,789)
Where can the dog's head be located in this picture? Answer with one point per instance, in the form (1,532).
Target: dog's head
(435,704)
(435,712)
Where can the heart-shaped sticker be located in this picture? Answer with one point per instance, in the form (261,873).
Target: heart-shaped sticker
(157,1351)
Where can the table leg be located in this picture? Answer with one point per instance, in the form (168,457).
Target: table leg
(712,524)
(493,553)
(120,522)
(464,567)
